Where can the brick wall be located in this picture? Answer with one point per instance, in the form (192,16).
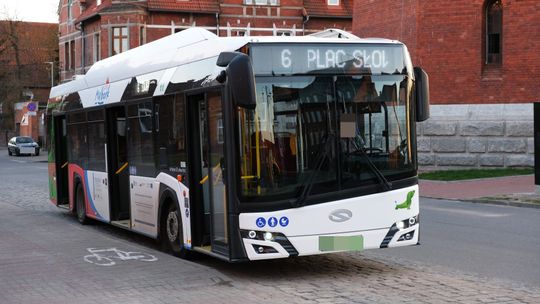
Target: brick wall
(446,39)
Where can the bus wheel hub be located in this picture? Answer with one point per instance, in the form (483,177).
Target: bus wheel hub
(172,226)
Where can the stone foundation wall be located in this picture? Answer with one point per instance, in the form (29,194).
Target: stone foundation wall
(488,135)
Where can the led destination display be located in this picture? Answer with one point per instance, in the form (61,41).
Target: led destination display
(275,59)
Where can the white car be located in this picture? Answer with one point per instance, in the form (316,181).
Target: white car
(22,145)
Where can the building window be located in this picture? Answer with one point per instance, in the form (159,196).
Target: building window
(493,39)
(220,135)
(142,35)
(72,55)
(120,40)
(66,56)
(333,2)
(69,10)
(261,2)
(97,47)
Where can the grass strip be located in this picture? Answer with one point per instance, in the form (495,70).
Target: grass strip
(453,175)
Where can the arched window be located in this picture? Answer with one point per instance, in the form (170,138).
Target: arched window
(493,39)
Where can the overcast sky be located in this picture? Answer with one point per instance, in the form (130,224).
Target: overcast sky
(30,10)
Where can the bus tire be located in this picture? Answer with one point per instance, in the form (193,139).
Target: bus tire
(172,237)
(80,205)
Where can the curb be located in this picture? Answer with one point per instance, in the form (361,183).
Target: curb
(503,203)
(489,202)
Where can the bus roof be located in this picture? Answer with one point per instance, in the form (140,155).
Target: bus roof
(190,45)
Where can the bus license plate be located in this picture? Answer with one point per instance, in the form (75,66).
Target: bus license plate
(341,243)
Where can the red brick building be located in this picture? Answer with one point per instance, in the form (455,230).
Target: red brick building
(91,30)
(483,60)
(28,50)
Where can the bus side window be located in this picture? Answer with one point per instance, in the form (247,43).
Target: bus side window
(77,139)
(171,133)
(140,141)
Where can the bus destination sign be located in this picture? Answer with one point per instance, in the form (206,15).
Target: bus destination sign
(327,58)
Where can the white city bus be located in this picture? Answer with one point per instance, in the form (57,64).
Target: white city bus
(245,148)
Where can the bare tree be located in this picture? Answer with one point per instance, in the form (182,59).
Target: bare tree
(10,73)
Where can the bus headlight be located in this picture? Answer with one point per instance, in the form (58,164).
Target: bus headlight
(252,234)
(268,236)
(407,223)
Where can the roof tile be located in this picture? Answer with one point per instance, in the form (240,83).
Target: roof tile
(320,8)
(197,6)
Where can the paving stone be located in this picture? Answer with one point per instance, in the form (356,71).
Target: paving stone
(42,250)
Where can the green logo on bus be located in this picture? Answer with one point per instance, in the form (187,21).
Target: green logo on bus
(407,203)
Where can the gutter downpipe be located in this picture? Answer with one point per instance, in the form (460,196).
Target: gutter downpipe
(217,24)
(83,44)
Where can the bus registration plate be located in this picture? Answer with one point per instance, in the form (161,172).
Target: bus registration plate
(339,243)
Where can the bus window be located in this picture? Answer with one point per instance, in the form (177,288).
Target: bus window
(77,140)
(170,136)
(140,142)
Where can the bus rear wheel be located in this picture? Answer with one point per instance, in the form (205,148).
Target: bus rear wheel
(172,236)
(80,205)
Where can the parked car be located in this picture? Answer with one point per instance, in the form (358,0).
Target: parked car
(22,145)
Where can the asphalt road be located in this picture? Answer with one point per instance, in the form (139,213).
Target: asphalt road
(492,241)
(469,253)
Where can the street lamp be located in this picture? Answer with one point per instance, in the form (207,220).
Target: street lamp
(52,72)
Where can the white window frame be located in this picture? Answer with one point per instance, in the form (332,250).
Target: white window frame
(69,10)
(262,2)
(96,47)
(333,2)
(220,136)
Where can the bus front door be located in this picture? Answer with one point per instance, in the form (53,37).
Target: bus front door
(207,160)
(117,166)
(61,159)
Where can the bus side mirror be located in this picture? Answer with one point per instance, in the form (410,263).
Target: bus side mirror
(240,78)
(422,94)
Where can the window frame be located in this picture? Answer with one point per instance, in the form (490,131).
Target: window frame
(489,4)
(333,2)
(96,47)
(69,10)
(120,38)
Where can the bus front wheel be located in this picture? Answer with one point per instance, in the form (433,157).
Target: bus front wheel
(171,231)
(80,205)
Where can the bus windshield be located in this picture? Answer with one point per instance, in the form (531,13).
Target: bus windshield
(325,134)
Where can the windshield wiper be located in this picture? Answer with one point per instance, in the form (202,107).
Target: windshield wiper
(307,185)
(360,148)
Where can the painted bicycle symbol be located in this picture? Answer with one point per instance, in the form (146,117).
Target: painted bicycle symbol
(107,257)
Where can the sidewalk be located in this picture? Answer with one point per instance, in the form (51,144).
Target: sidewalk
(508,190)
